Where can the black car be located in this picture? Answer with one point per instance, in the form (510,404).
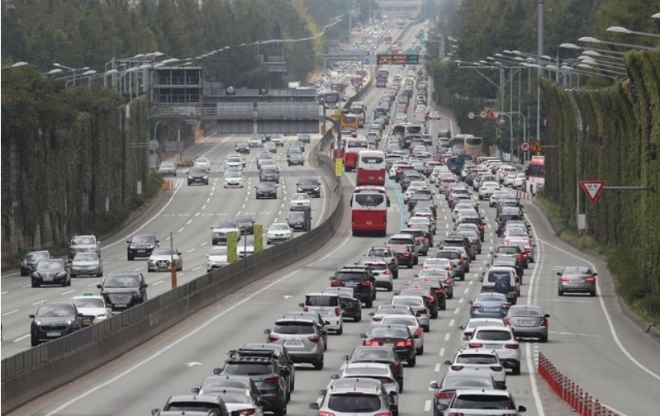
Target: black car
(351,307)
(381,354)
(269,174)
(266,189)
(266,374)
(51,272)
(310,186)
(29,262)
(426,292)
(405,254)
(361,279)
(296,158)
(123,290)
(435,283)
(481,225)
(280,353)
(198,175)
(457,240)
(305,138)
(397,335)
(245,223)
(243,148)
(300,220)
(141,245)
(54,320)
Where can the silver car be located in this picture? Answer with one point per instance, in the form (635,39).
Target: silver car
(302,339)
(167,168)
(577,279)
(349,396)
(84,244)
(377,371)
(160,258)
(88,264)
(416,303)
(216,258)
(528,321)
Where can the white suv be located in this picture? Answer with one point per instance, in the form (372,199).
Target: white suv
(500,339)
(328,306)
(479,361)
(484,402)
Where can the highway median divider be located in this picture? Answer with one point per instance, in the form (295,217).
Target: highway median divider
(39,370)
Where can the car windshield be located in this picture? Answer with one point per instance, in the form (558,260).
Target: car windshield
(88,302)
(408,301)
(50,265)
(84,240)
(491,297)
(379,252)
(379,354)
(482,401)
(201,161)
(86,257)
(215,383)
(476,359)
(163,252)
(399,320)
(321,300)
(234,397)
(525,312)
(576,271)
(37,256)
(354,403)
(233,174)
(294,328)
(300,196)
(248,369)
(308,182)
(121,281)
(218,251)
(468,382)
(55,311)
(197,171)
(495,276)
(142,239)
(493,335)
(167,165)
(279,227)
(389,332)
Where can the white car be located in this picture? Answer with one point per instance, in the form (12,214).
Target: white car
(216,258)
(416,303)
(478,360)
(92,307)
(436,263)
(238,156)
(421,221)
(509,178)
(500,339)
(233,163)
(473,323)
(487,189)
(300,201)
(518,181)
(279,232)
(412,323)
(203,162)
(233,179)
(277,140)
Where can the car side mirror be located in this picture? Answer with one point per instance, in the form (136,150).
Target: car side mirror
(314,406)
(194,390)
(145,285)
(434,385)
(155,412)
(128,241)
(267,331)
(371,314)
(346,357)
(31,316)
(334,377)
(547,315)
(558,273)
(217,371)
(301,304)
(80,315)
(522,409)
(363,336)
(157,241)
(461,327)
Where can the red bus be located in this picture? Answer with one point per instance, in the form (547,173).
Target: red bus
(371,169)
(353,147)
(369,210)
(535,171)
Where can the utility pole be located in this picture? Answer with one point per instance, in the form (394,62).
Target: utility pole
(172,262)
(539,71)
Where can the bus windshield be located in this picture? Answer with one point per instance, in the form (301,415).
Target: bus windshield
(369,200)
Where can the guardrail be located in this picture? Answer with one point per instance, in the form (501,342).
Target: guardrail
(34,372)
(570,392)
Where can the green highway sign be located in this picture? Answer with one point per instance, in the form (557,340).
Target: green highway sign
(397,59)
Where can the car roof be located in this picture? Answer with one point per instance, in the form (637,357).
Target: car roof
(294,319)
(492,392)
(345,385)
(322,294)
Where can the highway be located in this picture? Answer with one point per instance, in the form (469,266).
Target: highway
(188,212)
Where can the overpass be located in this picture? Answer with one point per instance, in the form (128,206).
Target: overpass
(400,8)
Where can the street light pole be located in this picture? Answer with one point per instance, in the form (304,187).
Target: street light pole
(539,71)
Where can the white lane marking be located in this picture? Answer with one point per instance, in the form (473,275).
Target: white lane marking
(6,291)
(576,334)
(92,284)
(427,406)
(447,336)
(452,322)
(203,207)
(180,229)
(467,289)
(456,311)
(438,366)
(157,283)
(190,334)
(197,214)
(67,292)
(26,286)
(210,194)
(204,243)
(138,269)
(613,332)
(19,339)
(191,250)
(461,300)
(189,221)
(10,312)
(39,302)
(208,200)
(470,283)
(441,353)
(196,268)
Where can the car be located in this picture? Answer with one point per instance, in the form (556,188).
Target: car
(487,189)
(50,272)
(310,186)
(246,247)
(84,244)
(233,179)
(278,232)
(350,396)
(215,383)
(388,255)
(313,316)
(483,401)
(576,279)
(295,159)
(422,239)
(86,264)
(301,337)
(202,162)
(167,168)
(459,266)
(405,254)
(305,138)
(328,306)
(437,281)
(221,230)
(502,340)
(361,279)
(272,350)
(460,241)
(412,323)
(239,402)
(300,201)
(141,245)
(458,381)
(468,329)
(198,175)
(256,141)
(376,371)
(418,306)
(378,354)
(489,305)
(501,280)
(425,291)
(216,258)
(53,320)
(92,308)
(519,181)
(264,158)
(161,257)
(380,270)
(245,223)
(416,220)
(528,321)
(266,189)
(234,163)
(243,148)
(350,306)
(123,290)
(276,139)
(474,360)
(300,220)
(505,261)
(192,405)
(29,262)
(270,147)
(397,336)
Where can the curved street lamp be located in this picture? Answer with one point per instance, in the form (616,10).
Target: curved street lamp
(619,29)
(590,39)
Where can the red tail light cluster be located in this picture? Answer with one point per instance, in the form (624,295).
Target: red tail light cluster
(337,311)
(406,343)
(246,412)
(314,339)
(456,367)
(306,308)
(448,281)
(475,345)
(406,254)
(565,279)
(497,368)
(272,380)
(377,318)
(476,306)
(444,394)
(511,346)
(335,282)
(590,279)
(418,333)
(322,413)
(365,283)
(544,323)
(507,321)
(431,299)
(272,338)
(369,342)
(506,306)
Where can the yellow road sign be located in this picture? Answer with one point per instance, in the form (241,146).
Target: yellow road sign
(232,245)
(339,167)
(258,238)
(536,147)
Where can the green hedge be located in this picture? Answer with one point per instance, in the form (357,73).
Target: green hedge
(620,144)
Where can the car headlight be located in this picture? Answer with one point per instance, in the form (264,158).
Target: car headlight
(102,316)
(38,323)
(69,322)
(190,177)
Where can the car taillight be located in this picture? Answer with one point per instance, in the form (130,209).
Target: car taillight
(497,368)
(475,345)
(444,394)
(500,384)
(495,254)
(406,343)
(365,283)
(524,255)
(506,306)
(528,249)
(507,321)
(544,323)
(456,414)
(448,281)
(371,342)
(306,308)
(322,413)
(337,311)
(476,305)
(423,311)
(246,412)
(448,268)
(590,279)
(377,318)
(272,380)
(393,261)
(456,367)
(420,239)
(431,299)
(511,346)
(383,414)
(335,282)
(314,339)
(468,334)
(386,271)
(565,279)
(272,338)
(406,254)
(481,227)
(418,333)
(439,290)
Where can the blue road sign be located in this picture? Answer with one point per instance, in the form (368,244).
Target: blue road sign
(365,61)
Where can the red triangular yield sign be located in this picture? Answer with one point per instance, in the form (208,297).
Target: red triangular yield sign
(592,189)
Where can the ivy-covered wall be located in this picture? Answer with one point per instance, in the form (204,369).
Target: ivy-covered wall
(66,153)
(620,144)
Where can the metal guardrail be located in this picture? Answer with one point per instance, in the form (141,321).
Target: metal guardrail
(31,373)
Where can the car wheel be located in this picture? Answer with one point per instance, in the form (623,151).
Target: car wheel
(434,315)
(390,288)
(592,293)
(516,370)
(358,318)
(72,275)
(369,303)
(400,386)
(130,258)
(35,284)
(34,342)
(544,339)
(413,362)
(420,351)
(340,330)
(319,364)
(560,292)
(395,275)
(99,274)
(410,266)
(23,273)
(427,328)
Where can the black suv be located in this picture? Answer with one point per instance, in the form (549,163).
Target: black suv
(361,279)
(266,373)
(280,353)
(245,223)
(123,290)
(141,245)
(457,240)
(310,186)
(54,320)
